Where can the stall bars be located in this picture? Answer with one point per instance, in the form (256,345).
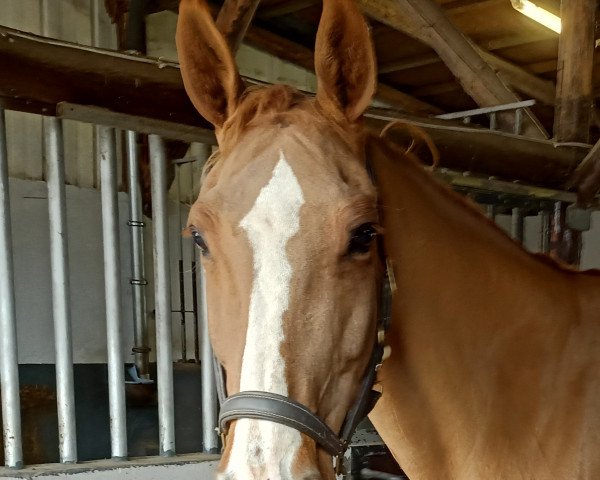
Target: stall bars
(106,150)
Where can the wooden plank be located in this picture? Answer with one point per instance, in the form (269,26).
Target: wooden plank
(426,21)
(124,121)
(575,66)
(42,72)
(234,19)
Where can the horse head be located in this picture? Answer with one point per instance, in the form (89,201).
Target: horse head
(286,222)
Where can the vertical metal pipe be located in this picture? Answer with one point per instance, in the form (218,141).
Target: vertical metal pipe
(490,212)
(138,275)
(63,344)
(162,286)
(9,368)
(183,332)
(517,225)
(195,265)
(209,391)
(106,148)
(518,121)
(545,232)
(493,121)
(97,7)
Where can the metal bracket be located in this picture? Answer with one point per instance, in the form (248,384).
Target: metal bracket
(579,219)
(135,223)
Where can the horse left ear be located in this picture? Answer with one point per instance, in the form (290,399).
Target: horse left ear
(208,69)
(344,60)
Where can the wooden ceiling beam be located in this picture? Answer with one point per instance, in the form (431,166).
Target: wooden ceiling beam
(461,6)
(521,80)
(408,63)
(233,20)
(301,56)
(426,21)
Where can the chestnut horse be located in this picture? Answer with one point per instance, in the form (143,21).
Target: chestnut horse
(494,371)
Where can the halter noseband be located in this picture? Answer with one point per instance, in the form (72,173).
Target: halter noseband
(285,411)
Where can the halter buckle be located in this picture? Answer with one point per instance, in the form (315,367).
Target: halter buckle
(340,467)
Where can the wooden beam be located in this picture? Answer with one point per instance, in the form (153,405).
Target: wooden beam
(234,19)
(482,151)
(575,65)
(521,80)
(408,63)
(285,7)
(458,7)
(303,57)
(586,178)
(573,111)
(133,91)
(40,72)
(123,121)
(426,21)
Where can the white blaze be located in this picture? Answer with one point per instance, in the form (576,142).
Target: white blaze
(264,449)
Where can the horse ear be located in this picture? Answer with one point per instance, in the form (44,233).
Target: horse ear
(344,60)
(208,69)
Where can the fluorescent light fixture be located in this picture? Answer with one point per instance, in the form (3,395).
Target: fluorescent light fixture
(538,14)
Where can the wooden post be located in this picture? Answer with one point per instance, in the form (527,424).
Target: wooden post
(234,19)
(572,116)
(575,64)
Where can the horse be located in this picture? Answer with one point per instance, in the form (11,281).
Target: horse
(494,368)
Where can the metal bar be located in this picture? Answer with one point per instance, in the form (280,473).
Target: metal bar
(373,474)
(546,231)
(9,368)
(182,311)
(490,212)
(162,286)
(493,121)
(210,439)
(517,225)
(195,310)
(63,343)
(106,150)
(518,121)
(195,265)
(138,275)
(183,333)
(481,111)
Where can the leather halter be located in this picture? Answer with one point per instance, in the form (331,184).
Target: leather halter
(286,411)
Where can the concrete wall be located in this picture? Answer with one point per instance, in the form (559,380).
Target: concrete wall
(68,20)
(29,209)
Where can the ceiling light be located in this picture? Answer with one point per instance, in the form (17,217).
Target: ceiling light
(538,14)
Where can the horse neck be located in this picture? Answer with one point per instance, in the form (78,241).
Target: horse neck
(457,269)
(480,327)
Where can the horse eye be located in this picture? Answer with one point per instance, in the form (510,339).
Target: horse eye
(362,238)
(199,241)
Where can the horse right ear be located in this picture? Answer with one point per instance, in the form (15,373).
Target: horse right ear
(208,69)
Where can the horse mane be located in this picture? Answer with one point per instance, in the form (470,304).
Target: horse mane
(259,104)
(283,105)
(468,205)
